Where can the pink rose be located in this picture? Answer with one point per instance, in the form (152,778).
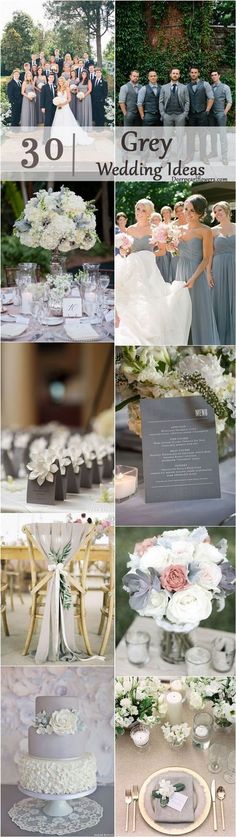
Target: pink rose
(174,578)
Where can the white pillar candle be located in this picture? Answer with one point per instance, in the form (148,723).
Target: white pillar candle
(174,705)
(27,300)
(125,485)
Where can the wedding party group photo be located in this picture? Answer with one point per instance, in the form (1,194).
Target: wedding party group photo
(58,71)
(175,263)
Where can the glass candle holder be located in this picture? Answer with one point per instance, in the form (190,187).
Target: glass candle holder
(140,735)
(126,482)
(198,660)
(202,730)
(223,653)
(216,757)
(137,646)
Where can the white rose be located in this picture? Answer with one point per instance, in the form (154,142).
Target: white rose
(196,700)
(206,552)
(182,552)
(230,712)
(208,576)
(156,606)
(156,557)
(190,605)
(118,689)
(63,722)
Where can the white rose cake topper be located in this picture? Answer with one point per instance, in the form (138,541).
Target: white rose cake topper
(60,221)
(177,578)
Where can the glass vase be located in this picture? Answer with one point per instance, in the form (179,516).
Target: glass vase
(58,263)
(174,646)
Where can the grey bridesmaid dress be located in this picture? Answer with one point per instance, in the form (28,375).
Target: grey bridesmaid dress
(28,110)
(203,327)
(165,267)
(73,102)
(84,108)
(223,294)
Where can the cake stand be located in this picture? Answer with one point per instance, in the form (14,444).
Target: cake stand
(57,805)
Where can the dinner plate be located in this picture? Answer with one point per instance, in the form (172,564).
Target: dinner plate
(202,802)
(11,330)
(52,321)
(7,299)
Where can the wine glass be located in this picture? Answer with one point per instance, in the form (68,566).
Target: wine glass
(229,774)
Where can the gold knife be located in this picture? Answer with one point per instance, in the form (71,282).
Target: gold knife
(213,796)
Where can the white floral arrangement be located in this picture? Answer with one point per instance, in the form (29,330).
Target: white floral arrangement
(138,699)
(60,284)
(80,95)
(61,722)
(109,111)
(166,790)
(57,101)
(42,467)
(123,241)
(166,234)
(175,578)
(220,691)
(164,372)
(31,95)
(176,734)
(60,221)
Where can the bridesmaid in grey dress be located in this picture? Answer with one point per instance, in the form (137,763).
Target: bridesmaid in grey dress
(178,222)
(195,253)
(39,82)
(28,110)
(165,262)
(163,259)
(73,85)
(223,272)
(84,106)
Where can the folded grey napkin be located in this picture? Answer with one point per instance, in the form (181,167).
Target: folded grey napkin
(168,814)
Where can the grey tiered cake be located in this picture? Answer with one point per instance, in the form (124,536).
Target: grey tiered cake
(54,764)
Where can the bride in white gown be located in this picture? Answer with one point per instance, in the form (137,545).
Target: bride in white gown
(149,310)
(64,124)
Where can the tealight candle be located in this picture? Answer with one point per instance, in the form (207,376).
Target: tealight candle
(202,728)
(27,300)
(174,705)
(137,644)
(140,736)
(198,660)
(125,482)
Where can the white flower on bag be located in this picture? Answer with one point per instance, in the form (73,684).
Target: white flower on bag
(64,722)
(42,468)
(189,606)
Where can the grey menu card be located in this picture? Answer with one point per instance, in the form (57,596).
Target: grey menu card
(180,457)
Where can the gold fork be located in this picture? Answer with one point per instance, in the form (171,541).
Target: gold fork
(135,799)
(128,800)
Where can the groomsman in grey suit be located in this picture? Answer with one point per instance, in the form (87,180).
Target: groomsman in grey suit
(148,101)
(128,96)
(201,100)
(218,115)
(174,107)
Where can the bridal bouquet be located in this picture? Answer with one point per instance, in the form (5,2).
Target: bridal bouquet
(57,221)
(177,578)
(31,95)
(164,372)
(220,691)
(123,241)
(80,95)
(166,234)
(138,699)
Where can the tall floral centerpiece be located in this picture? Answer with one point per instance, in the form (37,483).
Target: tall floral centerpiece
(164,372)
(57,221)
(138,699)
(219,691)
(175,579)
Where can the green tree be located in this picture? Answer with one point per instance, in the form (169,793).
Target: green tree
(17,41)
(96,16)
(224,12)
(109,51)
(127,194)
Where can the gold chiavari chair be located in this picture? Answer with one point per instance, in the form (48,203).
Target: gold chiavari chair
(97,576)
(4,606)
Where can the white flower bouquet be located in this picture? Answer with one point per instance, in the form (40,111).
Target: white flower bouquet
(166,234)
(80,95)
(57,101)
(40,85)
(138,699)
(31,95)
(123,241)
(220,691)
(177,577)
(109,111)
(59,221)
(176,734)
(73,87)
(164,372)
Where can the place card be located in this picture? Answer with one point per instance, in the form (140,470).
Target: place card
(72,306)
(180,457)
(177,801)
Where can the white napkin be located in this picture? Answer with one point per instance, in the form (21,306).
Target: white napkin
(79,330)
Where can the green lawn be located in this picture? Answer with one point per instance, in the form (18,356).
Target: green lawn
(126,537)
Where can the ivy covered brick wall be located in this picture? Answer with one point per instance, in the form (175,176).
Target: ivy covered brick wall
(166,33)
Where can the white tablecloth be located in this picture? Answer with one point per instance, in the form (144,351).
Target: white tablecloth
(86,500)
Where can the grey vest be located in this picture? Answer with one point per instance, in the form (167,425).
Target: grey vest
(198,100)
(173,105)
(219,98)
(131,98)
(151,102)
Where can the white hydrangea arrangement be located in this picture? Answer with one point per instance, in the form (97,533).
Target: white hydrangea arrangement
(164,372)
(61,722)
(175,578)
(138,699)
(60,221)
(60,284)
(219,691)
(176,734)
